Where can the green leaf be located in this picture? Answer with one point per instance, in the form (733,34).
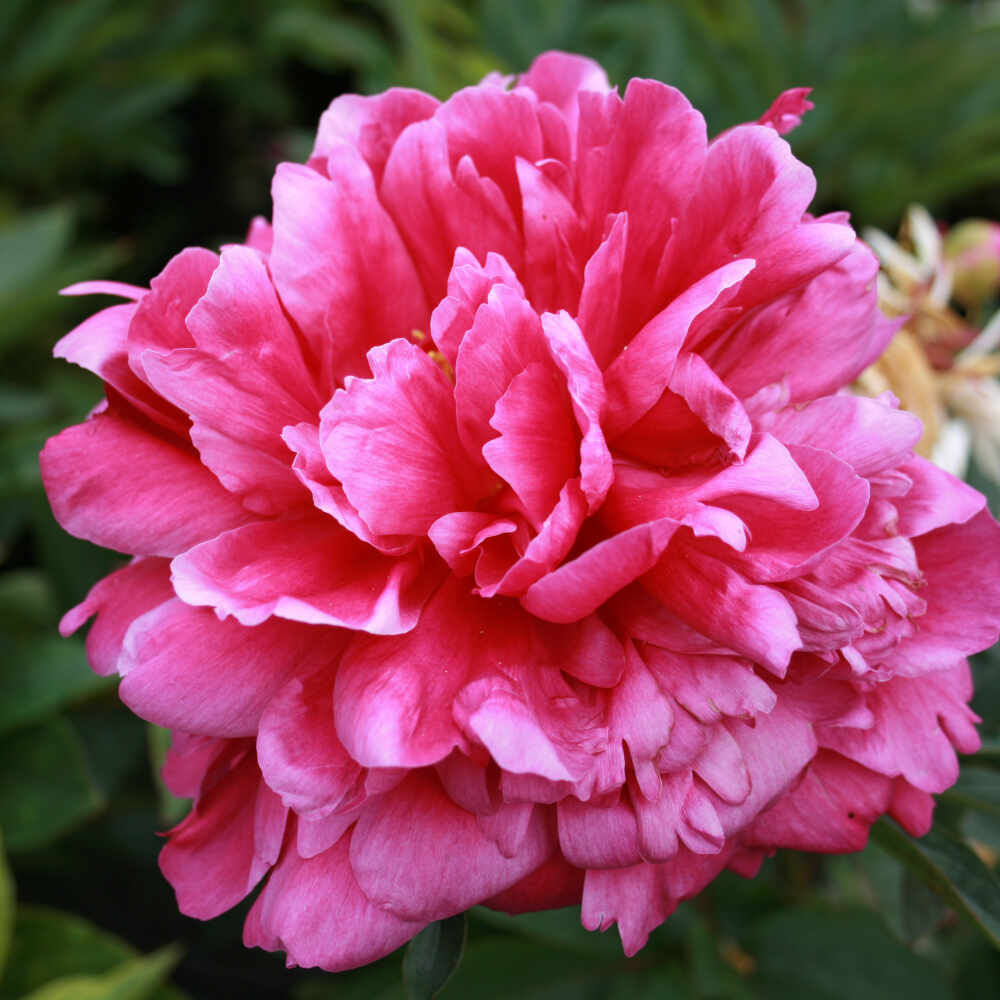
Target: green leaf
(827,954)
(31,245)
(49,945)
(977,788)
(7,901)
(47,788)
(136,979)
(38,676)
(433,955)
(952,869)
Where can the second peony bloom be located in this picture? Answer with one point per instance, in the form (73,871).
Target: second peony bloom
(503,533)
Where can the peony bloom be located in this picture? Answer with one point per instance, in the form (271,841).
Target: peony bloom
(503,533)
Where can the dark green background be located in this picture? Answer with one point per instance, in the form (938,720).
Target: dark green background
(131,129)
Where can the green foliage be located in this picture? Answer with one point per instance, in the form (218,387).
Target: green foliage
(135,128)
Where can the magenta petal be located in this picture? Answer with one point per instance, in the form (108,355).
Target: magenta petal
(785,113)
(558,77)
(309,571)
(183,668)
(445,863)
(314,910)
(113,484)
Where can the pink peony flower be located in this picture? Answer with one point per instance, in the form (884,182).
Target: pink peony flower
(503,534)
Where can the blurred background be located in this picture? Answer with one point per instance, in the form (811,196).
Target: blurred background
(133,128)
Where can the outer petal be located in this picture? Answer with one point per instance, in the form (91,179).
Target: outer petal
(113,484)
(118,600)
(314,910)
(444,864)
(309,571)
(211,858)
(184,669)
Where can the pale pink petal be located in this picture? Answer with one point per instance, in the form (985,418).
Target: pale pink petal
(598,836)
(445,863)
(313,909)
(308,571)
(118,486)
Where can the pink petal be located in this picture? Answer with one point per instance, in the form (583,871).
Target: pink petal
(918,724)
(118,600)
(391,441)
(504,339)
(444,864)
(535,452)
(117,486)
(597,837)
(371,124)
(817,338)
(710,687)
(314,910)
(558,77)
(936,499)
(440,205)
(962,591)
(830,810)
(871,435)
(785,113)
(309,571)
(393,697)
(586,388)
(184,669)
(600,297)
(469,284)
(300,755)
(118,288)
(159,323)
(752,620)
(637,378)
(210,858)
(339,265)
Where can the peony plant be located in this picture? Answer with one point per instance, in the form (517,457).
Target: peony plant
(503,530)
